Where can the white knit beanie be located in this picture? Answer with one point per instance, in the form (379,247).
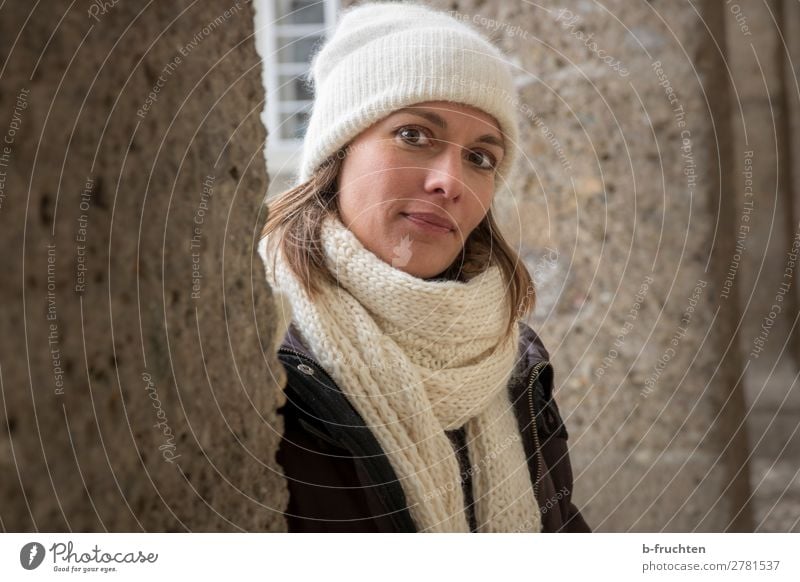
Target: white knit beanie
(384,56)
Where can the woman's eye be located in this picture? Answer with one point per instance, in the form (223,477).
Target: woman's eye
(412,135)
(484,161)
(417,137)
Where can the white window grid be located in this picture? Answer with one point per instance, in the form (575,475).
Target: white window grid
(280,41)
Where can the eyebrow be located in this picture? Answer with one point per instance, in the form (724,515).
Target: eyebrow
(439,121)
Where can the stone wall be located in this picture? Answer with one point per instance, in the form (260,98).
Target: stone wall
(136,392)
(764,61)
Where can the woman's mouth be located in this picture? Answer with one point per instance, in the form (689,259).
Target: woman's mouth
(428,223)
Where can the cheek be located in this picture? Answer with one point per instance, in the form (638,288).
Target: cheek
(365,171)
(480,201)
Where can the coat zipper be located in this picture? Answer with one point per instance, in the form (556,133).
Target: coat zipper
(539,458)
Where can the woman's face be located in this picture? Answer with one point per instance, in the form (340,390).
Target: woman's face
(433,161)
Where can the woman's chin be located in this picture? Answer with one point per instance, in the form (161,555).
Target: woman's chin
(424,271)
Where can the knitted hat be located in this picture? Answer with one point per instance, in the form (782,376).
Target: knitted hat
(384,56)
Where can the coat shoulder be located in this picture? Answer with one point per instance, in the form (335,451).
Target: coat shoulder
(532,342)
(532,355)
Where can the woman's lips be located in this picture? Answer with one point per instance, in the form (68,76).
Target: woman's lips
(424,222)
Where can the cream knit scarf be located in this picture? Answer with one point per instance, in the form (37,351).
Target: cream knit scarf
(416,358)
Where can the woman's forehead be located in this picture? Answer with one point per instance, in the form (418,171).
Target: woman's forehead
(448,108)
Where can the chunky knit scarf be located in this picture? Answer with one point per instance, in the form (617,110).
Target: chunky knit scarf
(417,358)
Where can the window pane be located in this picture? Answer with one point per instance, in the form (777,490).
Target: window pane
(294,49)
(293,125)
(292,88)
(300,11)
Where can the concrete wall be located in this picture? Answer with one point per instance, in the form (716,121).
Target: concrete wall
(763,66)
(136,393)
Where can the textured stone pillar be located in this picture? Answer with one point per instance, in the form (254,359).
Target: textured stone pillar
(790,27)
(761,123)
(766,86)
(624,210)
(138,378)
(785,491)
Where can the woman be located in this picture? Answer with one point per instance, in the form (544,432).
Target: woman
(416,398)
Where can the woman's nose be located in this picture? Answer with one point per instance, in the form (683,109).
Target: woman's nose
(445,173)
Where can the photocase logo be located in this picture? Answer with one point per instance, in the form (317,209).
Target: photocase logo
(402,252)
(31,555)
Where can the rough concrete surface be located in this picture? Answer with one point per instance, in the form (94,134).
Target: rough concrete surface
(136,319)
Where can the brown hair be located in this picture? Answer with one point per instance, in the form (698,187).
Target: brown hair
(297,214)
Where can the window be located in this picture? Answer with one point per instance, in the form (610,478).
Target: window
(288,32)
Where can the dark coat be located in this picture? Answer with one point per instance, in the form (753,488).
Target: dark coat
(340,479)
